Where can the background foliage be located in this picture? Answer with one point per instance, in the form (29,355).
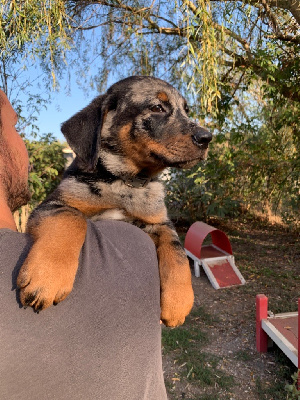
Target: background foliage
(47,165)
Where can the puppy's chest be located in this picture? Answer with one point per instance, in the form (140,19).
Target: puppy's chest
(126,203)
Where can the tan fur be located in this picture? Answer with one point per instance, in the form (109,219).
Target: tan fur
(177,295)
(163,96)
(157,218)
(43,275)
(87,209)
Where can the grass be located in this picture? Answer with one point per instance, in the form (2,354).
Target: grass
(243,355)
(275,389)
(182,338)
(194,365)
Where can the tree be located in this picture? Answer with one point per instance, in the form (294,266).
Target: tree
(31,33)
(214,47)
(33,30)
(217,52)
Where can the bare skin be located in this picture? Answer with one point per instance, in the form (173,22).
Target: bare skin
(13,166)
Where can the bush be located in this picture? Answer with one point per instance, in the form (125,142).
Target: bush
(47,165)
(245,170)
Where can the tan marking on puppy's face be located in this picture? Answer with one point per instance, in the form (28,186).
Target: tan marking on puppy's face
(151,155)
(138,153)
(132,160)
(162,96)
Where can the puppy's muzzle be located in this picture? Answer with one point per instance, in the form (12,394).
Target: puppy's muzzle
(201,137)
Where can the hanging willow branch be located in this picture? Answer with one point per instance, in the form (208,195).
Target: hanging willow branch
(34,28)
(203,49)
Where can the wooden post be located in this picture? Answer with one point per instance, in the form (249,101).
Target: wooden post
(24,218)
(261,313)
(21,217)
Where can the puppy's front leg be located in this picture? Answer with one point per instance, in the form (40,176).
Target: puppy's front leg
(177,296)
(48,274)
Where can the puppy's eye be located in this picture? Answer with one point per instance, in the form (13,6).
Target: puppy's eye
(187,109)
(157,108)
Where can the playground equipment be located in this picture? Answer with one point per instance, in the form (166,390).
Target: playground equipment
(282,329)
(216,259)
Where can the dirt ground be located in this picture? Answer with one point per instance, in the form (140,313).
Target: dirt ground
(269,259)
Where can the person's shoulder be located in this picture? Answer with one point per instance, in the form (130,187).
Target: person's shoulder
(14,247)
(117,230)
(9,236)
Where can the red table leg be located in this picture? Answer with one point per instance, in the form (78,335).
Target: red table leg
(261,313)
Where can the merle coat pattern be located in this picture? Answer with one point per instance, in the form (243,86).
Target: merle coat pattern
(123,140)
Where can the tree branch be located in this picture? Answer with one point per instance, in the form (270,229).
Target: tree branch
(291,5)
(220,28)
(150,22)
(272,18)
(275,25)
(111,4)
(241,62)
(295,9)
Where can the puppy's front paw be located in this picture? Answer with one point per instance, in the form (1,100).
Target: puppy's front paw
(45,281)
(176,303)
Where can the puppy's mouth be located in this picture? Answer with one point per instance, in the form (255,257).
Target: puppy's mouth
(187,164)
(183,163)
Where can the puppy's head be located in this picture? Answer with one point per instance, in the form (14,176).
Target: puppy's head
(144,127)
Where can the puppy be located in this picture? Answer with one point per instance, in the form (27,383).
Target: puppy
(123,140)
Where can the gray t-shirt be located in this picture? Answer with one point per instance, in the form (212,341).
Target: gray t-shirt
(102,342)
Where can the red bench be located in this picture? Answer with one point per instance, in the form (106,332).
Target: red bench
(282,329)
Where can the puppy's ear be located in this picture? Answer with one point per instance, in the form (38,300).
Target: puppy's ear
(83,131)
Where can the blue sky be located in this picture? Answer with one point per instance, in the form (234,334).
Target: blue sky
(63,106)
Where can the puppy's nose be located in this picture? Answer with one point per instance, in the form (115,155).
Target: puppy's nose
(201,137)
